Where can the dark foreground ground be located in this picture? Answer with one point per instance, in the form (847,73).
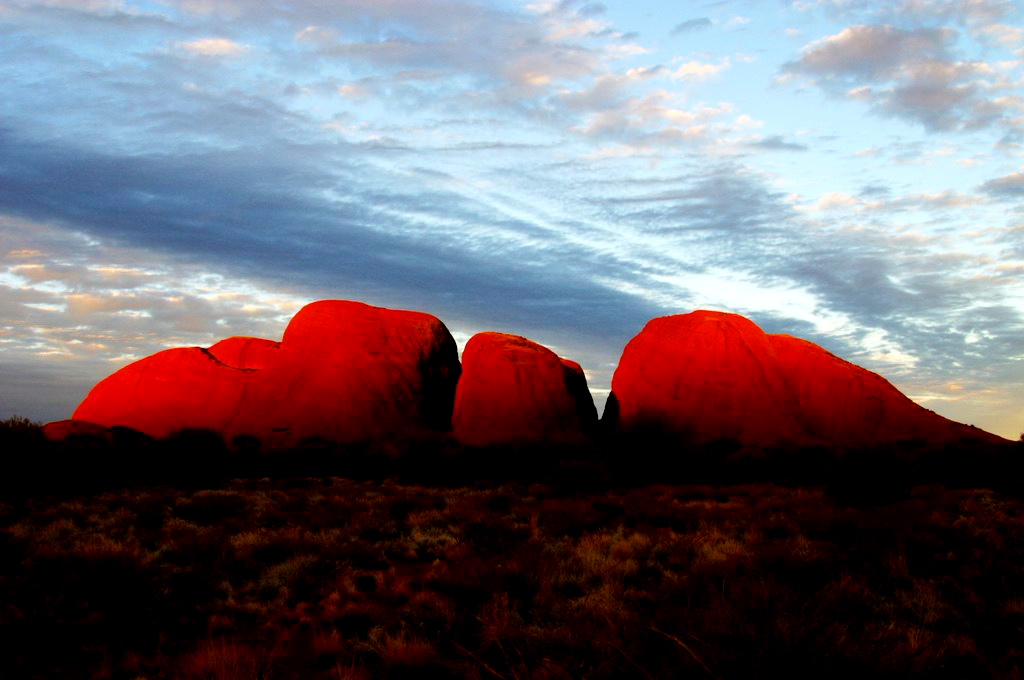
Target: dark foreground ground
(324,577)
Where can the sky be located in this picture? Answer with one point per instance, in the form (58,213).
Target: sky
(173,172)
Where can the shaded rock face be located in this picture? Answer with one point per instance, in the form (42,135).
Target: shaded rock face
(345,372)
(514,391)
(708,376)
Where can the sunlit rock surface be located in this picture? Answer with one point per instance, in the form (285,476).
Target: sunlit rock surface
(243,352)
(705,376)
(348,372)
(514,391)
(178,388)
(841,402)
(709,376)
(345,372)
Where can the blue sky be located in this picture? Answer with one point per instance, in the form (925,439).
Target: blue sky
(847,171)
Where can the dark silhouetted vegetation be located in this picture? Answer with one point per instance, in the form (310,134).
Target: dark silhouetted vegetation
(125,557)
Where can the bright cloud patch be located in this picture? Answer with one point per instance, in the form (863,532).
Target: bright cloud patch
(215,47)
(695,70)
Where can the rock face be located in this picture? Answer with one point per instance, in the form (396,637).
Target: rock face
(345,372)
(707,376)
(242,352)
(842,402)
(514,391)
(171,390)
(348,372)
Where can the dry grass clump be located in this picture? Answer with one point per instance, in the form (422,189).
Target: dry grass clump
(224,660)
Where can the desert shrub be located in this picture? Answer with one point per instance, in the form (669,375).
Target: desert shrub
(23,450)
(211,507)
(193,459)
(870,477)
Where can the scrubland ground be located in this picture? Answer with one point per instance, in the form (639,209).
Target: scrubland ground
(326,577)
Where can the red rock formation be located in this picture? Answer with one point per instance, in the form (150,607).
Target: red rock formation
(344,372)
(243,352)
(844,403)
(166,392)
(712,375)
(707,376)
(349,372)
(514,391)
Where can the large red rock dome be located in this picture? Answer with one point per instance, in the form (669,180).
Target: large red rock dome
(345,371)
(710,375)
(514,391)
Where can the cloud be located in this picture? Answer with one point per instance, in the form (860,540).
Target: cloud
(726,200)
(385,244)
(552,43)
(776,143)
(695,70)
(74,5)
(691,25)
(880,200)
(910,74)
(971,12)
(1009,187)
(215,47)
(870,52)
(1002,34)
(657,119)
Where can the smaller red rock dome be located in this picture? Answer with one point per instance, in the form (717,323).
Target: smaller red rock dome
(514,391)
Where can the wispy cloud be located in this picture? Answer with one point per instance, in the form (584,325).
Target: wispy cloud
(695,70)
(776,143)
(690,25)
